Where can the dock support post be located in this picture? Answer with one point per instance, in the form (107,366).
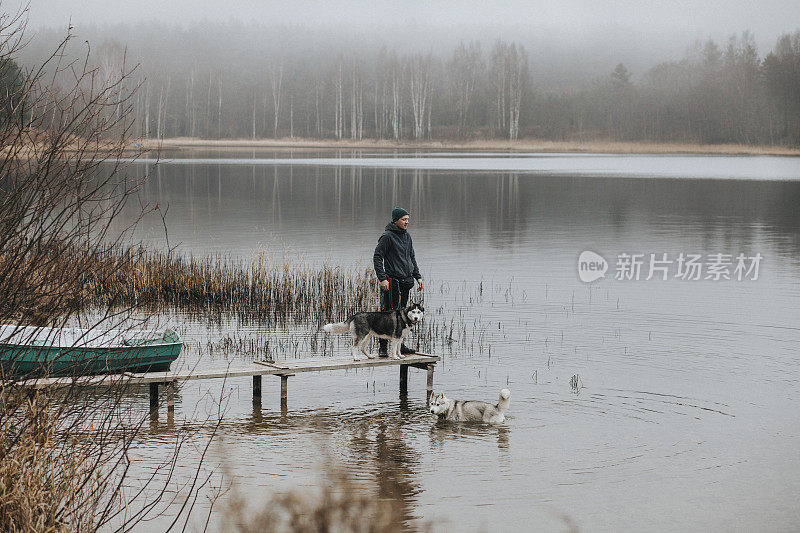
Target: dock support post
(284,389)
(430,383)
(404,379)
(170,397)
(154,396)
(257,389)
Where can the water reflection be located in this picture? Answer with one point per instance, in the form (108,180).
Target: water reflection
(444,430)
(697,379)
(246,206)
(374,446)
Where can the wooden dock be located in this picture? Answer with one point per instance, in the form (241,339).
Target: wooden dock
(256,369)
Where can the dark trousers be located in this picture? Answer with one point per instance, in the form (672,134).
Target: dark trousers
(395,298)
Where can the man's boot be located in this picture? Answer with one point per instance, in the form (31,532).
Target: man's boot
(382,347)
(405,350)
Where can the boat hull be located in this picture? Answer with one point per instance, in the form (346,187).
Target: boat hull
(145,355)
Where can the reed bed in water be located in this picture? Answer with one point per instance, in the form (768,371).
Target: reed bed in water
(259,289)
(251,290)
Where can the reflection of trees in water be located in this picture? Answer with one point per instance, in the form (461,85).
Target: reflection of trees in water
(276,199)
(392,461)
(376,448)
(470,203)
(395,465)
(505,225)
(371,447)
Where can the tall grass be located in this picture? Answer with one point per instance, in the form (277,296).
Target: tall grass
(256,290)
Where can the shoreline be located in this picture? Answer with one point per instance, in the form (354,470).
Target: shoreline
(522,145)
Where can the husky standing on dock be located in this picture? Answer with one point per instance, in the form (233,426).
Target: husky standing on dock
(390,325)
(471,411)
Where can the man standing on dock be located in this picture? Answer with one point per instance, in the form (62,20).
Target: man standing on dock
(396,268)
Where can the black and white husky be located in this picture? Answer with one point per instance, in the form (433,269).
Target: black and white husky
(471,411)
(392,325)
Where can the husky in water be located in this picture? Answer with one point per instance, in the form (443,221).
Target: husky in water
(460,410)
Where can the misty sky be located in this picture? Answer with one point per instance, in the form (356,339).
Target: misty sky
(688,18)
(587,36)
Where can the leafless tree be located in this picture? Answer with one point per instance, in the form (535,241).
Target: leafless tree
(338,84)
(276,83)
(381,93)
(510,77)
(396,83)
(715,94)
(517,83)
(499,76)
(465,69)
(319,104)
(420,84)
(64,457)
(356,101)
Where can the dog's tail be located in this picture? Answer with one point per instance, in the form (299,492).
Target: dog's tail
(338,327)
(505,400)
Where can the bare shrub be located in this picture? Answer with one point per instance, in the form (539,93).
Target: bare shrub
(63,129)
(339,505)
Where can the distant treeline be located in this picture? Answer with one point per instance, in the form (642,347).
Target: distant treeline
(715,94)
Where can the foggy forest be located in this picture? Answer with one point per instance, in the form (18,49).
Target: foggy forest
(232,80)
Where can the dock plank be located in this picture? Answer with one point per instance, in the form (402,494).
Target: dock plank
(252,369)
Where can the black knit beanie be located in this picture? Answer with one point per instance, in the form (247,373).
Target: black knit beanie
(398,213)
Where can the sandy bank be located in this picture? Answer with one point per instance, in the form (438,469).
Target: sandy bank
(522,145)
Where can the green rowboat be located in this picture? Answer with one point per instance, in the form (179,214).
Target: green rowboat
(28,351)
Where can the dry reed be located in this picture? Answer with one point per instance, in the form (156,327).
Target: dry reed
(252,291)
(64,488)
(256,290)
(340,505)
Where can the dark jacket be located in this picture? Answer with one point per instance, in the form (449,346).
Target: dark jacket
(394,256)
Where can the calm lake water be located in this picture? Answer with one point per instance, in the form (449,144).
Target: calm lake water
(637,404)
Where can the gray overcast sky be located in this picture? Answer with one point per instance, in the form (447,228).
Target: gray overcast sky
(766,18)
(578,33)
